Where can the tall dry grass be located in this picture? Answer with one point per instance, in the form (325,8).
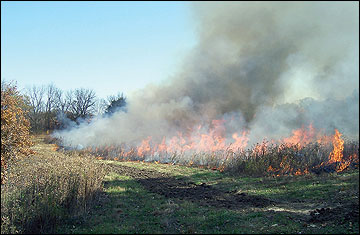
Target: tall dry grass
(43,191)
(261,159)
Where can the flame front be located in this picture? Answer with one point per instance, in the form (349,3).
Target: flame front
(196,141)
(215,149)
(337,156)
(301,136)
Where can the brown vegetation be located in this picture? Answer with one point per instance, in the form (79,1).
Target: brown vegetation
(47,188)
(262,159)
(15,138)
(39,187)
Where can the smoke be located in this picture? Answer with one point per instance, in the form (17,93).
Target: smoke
(272,66)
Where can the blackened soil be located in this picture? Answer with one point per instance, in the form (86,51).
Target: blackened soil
(339,215)
(183,189)
(207,195)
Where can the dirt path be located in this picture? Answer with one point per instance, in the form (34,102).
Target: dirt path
(207,195)
(183,189)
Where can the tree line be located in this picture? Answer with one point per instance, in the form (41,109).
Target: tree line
(42,108)
(51,108)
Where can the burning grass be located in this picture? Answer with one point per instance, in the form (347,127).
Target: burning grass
(305,152)
(291,159)
(46,189)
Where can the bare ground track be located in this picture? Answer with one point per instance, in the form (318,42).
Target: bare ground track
(207,195)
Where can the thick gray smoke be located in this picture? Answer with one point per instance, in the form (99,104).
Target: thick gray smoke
(267,67)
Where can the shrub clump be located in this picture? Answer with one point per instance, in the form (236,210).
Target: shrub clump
(45,190)
(15,137)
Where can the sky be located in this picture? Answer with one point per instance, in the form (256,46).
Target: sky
(110,47)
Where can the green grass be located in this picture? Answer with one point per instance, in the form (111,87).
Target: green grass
(306,187)
(130,208)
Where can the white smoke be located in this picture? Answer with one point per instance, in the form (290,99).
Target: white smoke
(274,65)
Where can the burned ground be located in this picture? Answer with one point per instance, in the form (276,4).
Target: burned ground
(339,215)
(182,188)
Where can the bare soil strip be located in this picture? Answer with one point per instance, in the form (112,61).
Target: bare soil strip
(180,188)
(207,195)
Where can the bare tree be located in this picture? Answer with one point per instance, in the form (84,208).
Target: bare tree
(116,103)
(34,96)
(100,106)
(82,102)
(62,104)
(50,103)
(51,108)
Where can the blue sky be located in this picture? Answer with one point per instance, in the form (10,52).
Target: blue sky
(110,47)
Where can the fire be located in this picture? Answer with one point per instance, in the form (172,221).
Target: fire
(196,141)
(162,146)
(240,141)
(304,136)
(55,147)
(337,154)
(144,147)
(299,172)
(214,148)
(301,136)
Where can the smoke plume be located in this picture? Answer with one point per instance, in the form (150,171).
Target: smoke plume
(265,67)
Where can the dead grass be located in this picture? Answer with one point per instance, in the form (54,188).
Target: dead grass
(48,188)
(261,159)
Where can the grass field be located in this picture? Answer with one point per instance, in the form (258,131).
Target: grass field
(139,197)
(152,198)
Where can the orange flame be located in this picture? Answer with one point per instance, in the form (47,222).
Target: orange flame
(240,141)
(301,136)
(212,141)
(223,148)
(144,147)
(55,147)
(337,154)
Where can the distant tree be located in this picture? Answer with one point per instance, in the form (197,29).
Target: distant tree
(50,106)
(116,103)
(100,106)
(15,137)
(62,104)
(82,102)
(35,99)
